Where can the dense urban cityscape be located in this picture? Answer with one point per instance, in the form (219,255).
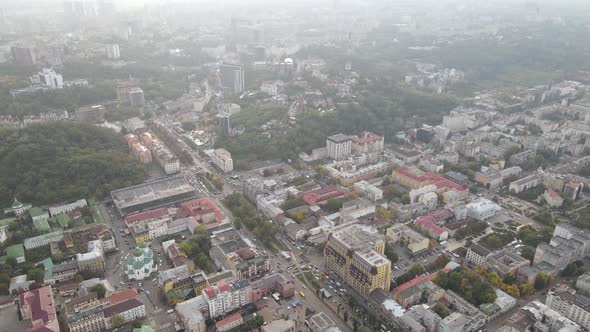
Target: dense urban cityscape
(323,166)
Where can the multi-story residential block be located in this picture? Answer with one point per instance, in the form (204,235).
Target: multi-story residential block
(355,254)
(223,297)
(571,305)
(230,252)
(83,302)
(372,192)
(413,291)
(192,314)
(339,146)
(367,142)
(419,318)
(65,271)
(525,183)
(129,310)
(93,260)
(83,234)
(412,239)
(222,159)
(90,320)
(384,306)
(56,210)
(229,322)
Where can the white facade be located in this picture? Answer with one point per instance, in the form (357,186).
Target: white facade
(50,78)
(224,298)
(54,211)
(112,51)
(129,315)
(372,192)
(482,209)
(157,228)
(222,159)
(573,306)
(141,265)
(171,167)
(43,240)
(3,236)
(339,146)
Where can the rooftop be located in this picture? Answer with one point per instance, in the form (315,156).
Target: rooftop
(121,307)
(150,191)
(339,138)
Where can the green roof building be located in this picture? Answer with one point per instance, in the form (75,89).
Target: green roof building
(17,251)
(6,222)
(48,270)
(38,214)
(42,225)
(63,220)
(141,265)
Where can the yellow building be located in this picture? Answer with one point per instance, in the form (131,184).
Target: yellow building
(355,254)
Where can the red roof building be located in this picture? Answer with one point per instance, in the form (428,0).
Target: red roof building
(229,322)
(430,222)
(322,195)
(119,296)
(202,209)
(38,307)
(146,216)
(415,178)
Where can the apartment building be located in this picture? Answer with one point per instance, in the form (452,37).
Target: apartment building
(355,254)
(339,146)
(571,305)
(222,159)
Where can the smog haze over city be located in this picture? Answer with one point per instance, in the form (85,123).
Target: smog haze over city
(304,165)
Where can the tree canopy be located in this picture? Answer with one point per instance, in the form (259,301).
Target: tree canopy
(47,164)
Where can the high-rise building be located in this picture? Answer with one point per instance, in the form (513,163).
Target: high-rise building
(339,146)
(225,124)
(50,78)
(23,55)
(231,79)
(356,254)
(136,97)
(112,51)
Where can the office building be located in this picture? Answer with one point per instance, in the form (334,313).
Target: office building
(339,146)
(231,78)
(355,254)
(372,192)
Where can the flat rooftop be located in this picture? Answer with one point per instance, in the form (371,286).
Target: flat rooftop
(150,191)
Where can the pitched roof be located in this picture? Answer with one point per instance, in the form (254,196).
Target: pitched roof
(121,307)
(120,296)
